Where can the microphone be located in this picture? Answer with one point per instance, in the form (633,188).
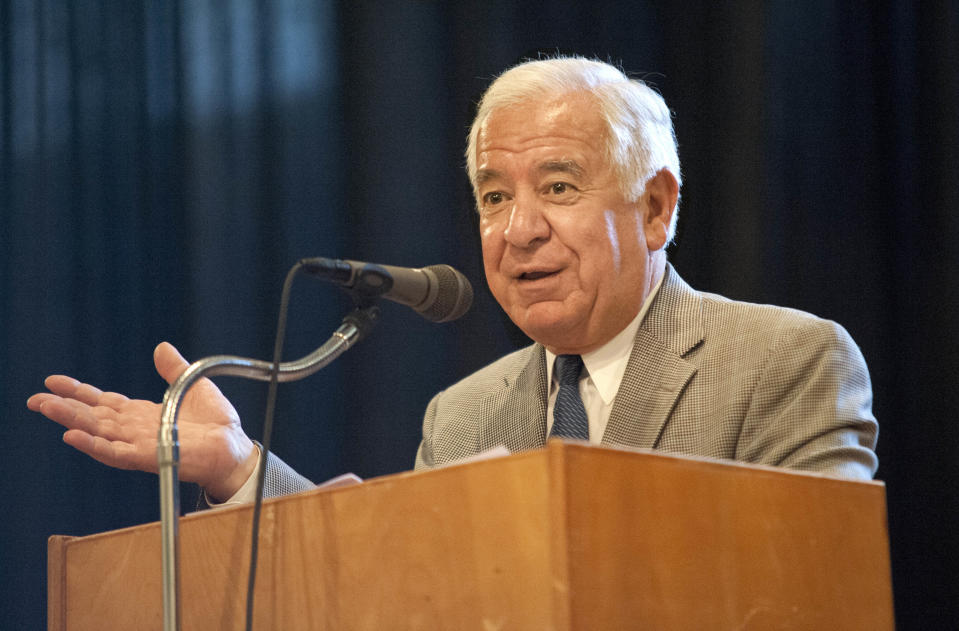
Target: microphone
(438,293)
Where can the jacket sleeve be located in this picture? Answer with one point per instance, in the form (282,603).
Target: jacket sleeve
(812,405)
(424,455)
(280,479)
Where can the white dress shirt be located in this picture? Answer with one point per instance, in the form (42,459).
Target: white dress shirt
(599,383)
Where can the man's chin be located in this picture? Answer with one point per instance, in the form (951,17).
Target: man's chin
(549,326)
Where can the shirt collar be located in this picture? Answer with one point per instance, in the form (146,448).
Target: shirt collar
(607,364)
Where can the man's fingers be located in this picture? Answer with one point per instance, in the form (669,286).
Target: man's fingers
(116,454)
(34,402)
(169,362)
(70,414)
(70,388)
(37,403)
(61,383)
(113,400)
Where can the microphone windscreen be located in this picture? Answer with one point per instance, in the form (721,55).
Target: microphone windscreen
(454,296)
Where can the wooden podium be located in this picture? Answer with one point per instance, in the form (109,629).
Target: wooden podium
(567,537)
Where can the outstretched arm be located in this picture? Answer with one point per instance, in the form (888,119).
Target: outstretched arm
(122,432)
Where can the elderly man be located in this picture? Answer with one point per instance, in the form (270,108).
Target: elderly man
(576,176)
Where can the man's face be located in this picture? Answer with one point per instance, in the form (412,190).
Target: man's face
(566,255)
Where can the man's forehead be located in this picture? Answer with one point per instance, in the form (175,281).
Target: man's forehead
(555,133)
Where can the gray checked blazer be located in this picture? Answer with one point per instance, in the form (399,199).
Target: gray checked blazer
(707,376)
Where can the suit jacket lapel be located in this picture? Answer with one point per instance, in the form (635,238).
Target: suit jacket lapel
(656,373)
(517,411)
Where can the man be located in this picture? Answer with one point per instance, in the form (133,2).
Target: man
(576,177)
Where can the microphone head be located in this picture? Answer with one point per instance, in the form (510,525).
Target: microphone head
(454,295)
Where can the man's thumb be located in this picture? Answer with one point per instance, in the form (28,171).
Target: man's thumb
(168,361)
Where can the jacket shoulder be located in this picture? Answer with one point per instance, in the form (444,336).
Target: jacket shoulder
(746,321)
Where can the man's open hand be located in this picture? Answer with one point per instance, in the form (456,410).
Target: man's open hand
(122,432)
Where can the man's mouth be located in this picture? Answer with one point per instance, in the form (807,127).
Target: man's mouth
(535,275)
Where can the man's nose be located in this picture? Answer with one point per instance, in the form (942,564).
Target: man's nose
(527,223)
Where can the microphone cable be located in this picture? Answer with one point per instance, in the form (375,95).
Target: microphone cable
(267,432)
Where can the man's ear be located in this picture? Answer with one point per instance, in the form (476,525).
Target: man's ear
(662,192)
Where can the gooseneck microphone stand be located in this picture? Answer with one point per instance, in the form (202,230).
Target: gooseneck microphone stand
(355,327)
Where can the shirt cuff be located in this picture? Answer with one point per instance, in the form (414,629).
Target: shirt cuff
(246,493)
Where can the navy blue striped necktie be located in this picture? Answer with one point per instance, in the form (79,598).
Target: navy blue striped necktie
(569,413)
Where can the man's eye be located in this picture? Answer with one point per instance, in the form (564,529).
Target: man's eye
(558,188)
(491,199)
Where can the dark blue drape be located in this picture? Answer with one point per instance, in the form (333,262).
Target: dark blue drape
(163,163)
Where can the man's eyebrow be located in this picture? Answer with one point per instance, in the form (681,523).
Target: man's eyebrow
(562,166)
(550,166)
(485,175)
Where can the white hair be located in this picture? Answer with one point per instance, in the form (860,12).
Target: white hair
(640,140)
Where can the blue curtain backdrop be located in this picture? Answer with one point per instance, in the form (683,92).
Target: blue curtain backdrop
(163,163)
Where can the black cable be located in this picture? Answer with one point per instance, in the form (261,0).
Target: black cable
(267,431)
